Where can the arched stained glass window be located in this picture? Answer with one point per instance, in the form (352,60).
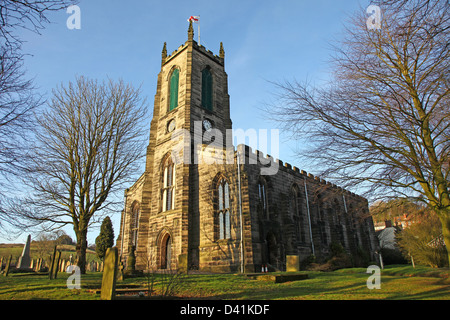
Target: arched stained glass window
(207,89)
(134,223)
(173,87)
(224,214)
(168,189)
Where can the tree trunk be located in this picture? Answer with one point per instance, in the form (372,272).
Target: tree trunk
(81,250)
(444,216)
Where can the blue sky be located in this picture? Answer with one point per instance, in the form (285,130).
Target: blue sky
(263,41)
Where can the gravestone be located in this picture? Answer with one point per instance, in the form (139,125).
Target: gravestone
(55,263)
(52,258)
(38,265)
(24,259)
(292,263)
(109,274)
(182,263)
(8,265)
(131,261)
(55,268)
(62,266)
(119,270)
(68,263)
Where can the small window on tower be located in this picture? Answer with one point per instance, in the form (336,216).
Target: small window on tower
(207,92)
(173,88)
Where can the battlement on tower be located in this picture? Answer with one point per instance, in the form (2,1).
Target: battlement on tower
(200,48)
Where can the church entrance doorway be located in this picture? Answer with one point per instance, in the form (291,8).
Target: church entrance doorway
(272,249)
(166,252)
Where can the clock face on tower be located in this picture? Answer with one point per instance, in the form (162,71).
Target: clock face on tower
(207,125)
(171,125)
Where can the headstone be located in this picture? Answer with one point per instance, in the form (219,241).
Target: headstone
(131,261)
(292,263)
(55,263)
(50,270)
(182,263)
(38,265)
(62,266)
(109,274)
(119,271)
(68,263)
(8,265)
(25,259)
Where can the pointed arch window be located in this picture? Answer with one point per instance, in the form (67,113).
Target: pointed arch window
(262,194)
(224,212)
(173,89)
(168,186)
(207,89)
(135,211)
(295,213)
(294,204)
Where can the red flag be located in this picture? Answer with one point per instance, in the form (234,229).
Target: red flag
(194,18)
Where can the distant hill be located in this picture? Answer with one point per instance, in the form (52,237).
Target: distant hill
(36,251)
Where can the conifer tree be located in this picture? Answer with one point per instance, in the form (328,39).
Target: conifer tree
(105,239)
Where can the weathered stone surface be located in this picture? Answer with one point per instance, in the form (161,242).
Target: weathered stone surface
(282,278)
(292,263)
(25,259)
(7,267)
(182,263)
(109,274)
(55,264)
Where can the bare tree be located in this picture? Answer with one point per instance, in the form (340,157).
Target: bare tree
(18,97)
(383,121)
(17,102)
(89,139)
(27,14)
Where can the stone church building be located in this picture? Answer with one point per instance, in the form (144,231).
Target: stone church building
(204,204)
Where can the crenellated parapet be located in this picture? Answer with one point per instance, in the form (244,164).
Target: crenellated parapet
(257,157)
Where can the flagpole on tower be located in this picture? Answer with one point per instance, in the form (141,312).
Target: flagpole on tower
(196,19)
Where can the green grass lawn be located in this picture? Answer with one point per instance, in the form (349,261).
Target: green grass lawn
(397,282)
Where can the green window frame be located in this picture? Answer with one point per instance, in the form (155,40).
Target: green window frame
(207,89)
(173,96)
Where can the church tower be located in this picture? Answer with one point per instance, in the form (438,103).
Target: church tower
(161,220)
